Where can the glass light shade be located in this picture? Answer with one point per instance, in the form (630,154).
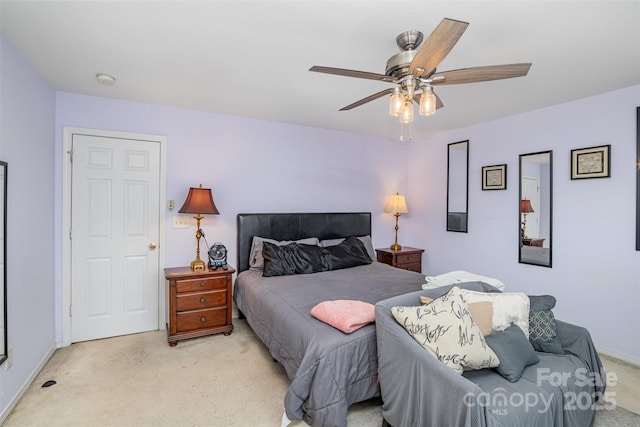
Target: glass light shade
(427,102)
(396,204)
(396,102)
(407,112)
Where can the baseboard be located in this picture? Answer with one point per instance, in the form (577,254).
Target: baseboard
(623,357)
(23,389)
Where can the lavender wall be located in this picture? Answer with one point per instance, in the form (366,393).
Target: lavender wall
(596,270)
(251,165)
(26,142)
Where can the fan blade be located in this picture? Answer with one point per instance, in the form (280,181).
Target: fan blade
(437,46)
(351,73)
(367,99)
(439,104)
(481,74)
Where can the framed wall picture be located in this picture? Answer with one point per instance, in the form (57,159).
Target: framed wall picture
(494,177)
(592,162)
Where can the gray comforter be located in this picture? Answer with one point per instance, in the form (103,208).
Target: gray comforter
(329,370)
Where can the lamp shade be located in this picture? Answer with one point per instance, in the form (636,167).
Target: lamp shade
(199,201)
(525,206)
(396,204)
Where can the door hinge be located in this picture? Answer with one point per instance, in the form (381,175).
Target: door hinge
(70,152)
(70,234)
(70,310)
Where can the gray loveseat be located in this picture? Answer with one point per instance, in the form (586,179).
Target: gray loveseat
(418,390)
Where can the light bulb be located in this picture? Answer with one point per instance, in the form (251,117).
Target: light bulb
(407,111)
(427,102)
(396,102)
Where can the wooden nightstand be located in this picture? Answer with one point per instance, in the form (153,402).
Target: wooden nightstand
(406,258)
(199,303)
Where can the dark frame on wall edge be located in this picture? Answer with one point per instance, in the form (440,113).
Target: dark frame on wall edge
(637,178)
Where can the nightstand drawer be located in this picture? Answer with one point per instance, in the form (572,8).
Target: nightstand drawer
(200,319)
(200,300)
(201,284)
(415,266)
(408,259)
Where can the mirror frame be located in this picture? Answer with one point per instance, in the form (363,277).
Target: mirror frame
(520,236)
(458,221)
(3,270)
(637,178)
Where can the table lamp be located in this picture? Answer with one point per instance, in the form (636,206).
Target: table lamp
(396,205)
(199,201)
(525,208)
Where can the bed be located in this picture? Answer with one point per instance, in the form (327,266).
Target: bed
(328,369)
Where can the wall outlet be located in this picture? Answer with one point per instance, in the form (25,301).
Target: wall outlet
(181,221)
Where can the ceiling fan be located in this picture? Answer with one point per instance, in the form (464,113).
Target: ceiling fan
(414,73)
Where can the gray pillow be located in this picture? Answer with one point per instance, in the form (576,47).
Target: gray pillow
(542,324)
(514,351)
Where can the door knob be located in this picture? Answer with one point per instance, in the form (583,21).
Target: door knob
(152,246)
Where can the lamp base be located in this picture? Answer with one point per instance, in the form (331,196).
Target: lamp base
(396,247)
(198,264)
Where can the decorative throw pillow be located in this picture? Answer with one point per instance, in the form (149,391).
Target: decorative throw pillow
(481,313)
(445,329)
(514,351)
(349,253)
(366,241)
(256,260)
(293,258)
(542,324)
(508,308)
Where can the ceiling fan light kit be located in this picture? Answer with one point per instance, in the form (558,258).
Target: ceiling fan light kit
(413,71)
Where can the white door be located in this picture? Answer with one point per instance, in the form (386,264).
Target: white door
(531,191)
(115,209)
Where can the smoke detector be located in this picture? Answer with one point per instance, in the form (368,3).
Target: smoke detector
(105,79)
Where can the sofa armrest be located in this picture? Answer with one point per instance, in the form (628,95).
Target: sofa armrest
(417,389)
(576,340)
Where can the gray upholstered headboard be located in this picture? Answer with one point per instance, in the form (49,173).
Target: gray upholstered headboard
(295,226)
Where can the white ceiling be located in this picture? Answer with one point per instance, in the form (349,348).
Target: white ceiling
(251,58)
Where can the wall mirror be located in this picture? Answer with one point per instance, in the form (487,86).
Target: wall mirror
(457,186)
(3,260)
(535,208)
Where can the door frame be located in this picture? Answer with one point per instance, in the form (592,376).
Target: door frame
(66,220)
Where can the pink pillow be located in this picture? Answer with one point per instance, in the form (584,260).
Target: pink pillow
(345,315)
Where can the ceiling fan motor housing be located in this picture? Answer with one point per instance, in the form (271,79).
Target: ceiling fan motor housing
(408,42)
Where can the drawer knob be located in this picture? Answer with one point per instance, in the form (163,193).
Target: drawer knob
(203,319)
(408,258)
(202,300)
(202,284)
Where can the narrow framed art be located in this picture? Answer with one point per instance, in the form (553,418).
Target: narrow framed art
(592,162)
(494,177)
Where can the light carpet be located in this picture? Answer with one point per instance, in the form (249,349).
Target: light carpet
(138,380)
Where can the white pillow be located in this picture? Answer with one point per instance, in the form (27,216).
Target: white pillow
(256,261)
(366,241)
(445,329)
(508,308)
(459,276)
